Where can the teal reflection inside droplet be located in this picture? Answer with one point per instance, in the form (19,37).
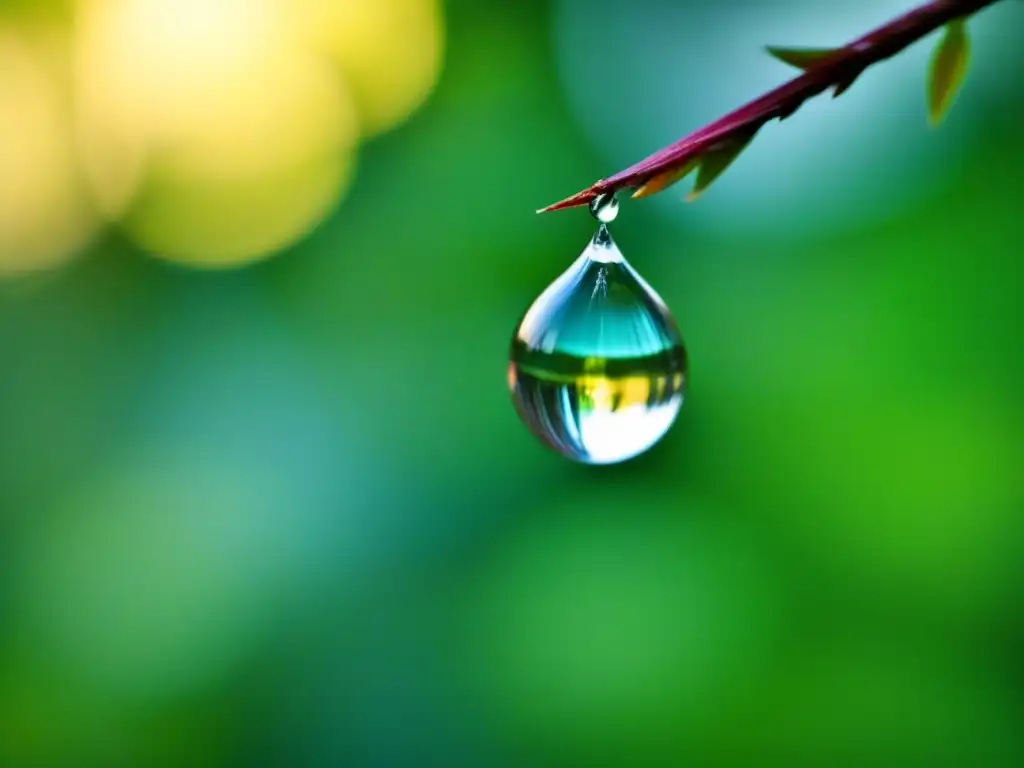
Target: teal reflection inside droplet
(598,367)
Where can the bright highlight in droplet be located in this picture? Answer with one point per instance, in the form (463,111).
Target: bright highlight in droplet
(598,366)
(605,208)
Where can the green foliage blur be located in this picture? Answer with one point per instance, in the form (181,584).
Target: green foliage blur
(285,514)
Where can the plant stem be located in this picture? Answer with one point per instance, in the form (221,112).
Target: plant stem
(837,71)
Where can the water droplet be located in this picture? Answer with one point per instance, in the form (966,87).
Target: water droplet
(604,208)
(598,367)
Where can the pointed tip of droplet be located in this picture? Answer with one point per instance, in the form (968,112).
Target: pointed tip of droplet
(603,248)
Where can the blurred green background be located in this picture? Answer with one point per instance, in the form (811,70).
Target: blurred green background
(264,499)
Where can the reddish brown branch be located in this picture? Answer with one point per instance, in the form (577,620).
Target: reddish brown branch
(837,71)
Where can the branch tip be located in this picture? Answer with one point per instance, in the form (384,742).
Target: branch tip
(823,69)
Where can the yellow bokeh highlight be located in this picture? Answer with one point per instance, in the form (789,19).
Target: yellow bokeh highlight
(205,129)
(45,213)
(213,132)
(391,52)
(204,223)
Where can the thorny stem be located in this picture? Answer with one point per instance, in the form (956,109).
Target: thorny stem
(837,71)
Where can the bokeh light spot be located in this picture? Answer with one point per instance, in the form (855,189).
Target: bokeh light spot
(233,222)
(390,50)
(206,130)
(45,213)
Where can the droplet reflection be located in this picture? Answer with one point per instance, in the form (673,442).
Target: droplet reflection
(604,208)
(598,367)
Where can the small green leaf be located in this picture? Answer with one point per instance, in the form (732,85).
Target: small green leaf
(714,163)
(948,69)
(801,58)
(666,179)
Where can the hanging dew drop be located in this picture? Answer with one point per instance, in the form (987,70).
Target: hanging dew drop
(604,208)
(598,367)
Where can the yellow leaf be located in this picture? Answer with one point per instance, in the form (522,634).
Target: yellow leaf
(714,163)
(666,179)
(948,69)
(801,58)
